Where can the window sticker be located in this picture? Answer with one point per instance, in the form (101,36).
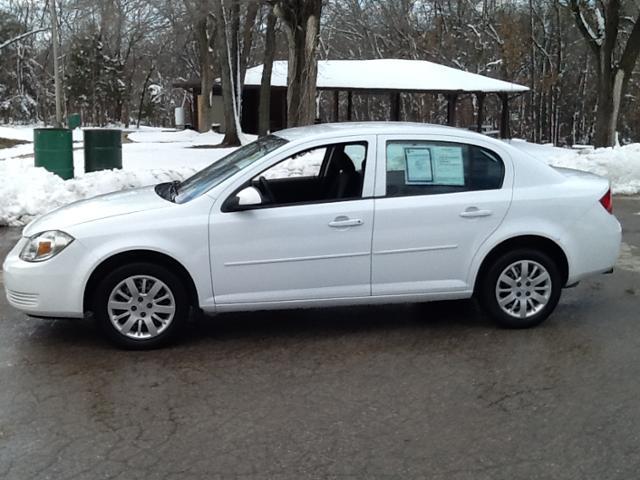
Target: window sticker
(448,168)
(419,168)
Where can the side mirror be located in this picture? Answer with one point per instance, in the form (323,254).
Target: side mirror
(248,197)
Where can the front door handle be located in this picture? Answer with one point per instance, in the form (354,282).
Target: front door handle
(342,222)
(475,212)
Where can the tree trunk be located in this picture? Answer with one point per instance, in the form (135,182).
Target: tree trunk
(302,25)
(264,110)
(142,94)
(206,72)
(609,97)
(227,52)
(247,37)
(56,69)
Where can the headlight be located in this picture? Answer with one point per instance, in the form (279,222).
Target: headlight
(45,245)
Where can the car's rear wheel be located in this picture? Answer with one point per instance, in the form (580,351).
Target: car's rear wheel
(521,288)
(141,306)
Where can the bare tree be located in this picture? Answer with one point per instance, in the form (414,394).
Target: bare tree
(301,20)
(227,56)
(234,48)
(613,68)
(204,28)
(264,109)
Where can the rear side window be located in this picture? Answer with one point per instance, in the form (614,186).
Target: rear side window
(428,168)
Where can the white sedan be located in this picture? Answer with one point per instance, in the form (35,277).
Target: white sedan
(324,215)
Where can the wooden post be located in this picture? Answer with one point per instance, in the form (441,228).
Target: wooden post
(285,110)
(480,112)
(202,120)
(194,109)
(505,131)
(395,107)
(349,105)
(336,105)
(452,99)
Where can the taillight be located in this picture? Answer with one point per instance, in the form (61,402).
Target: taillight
(607,201)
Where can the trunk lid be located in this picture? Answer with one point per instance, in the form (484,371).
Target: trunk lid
(580,178)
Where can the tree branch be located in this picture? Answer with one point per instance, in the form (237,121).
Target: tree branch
(586,30)
(21,36)
(631,51)
(612,22)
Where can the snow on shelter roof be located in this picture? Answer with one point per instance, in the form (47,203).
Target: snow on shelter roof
(390,74)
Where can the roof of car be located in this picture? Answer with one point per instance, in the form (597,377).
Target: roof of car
(375,128)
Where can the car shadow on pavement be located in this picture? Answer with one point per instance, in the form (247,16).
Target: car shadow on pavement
(445,317)
(338,321)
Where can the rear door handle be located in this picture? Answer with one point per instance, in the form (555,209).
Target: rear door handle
(342,222)
(475,212)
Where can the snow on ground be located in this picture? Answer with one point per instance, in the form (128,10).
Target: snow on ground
(21,150)
(25,132)
(18,132)
(621,165)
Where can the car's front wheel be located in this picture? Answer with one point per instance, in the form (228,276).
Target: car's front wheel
(141,306)
(520,288)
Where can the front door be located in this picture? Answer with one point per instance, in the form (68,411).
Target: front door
(311,240)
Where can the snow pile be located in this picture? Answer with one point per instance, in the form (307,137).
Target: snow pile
(154,156)
(171,136)
(184,136)
(34,191)
(621,165)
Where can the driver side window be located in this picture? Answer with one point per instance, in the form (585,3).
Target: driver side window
(321,174)
(305,164)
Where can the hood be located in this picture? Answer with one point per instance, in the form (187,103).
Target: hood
(96,208)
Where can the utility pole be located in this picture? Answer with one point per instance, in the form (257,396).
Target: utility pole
(56,68)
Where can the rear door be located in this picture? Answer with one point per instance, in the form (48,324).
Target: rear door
(438,198)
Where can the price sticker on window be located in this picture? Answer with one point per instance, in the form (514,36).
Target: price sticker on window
(448,167)
(418,166)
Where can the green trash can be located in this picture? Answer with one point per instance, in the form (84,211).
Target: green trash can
(53,148)
(102,149)
(74,121)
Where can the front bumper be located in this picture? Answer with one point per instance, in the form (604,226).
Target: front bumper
(49,289)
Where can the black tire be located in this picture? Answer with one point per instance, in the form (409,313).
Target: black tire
(172,282)
(488,283)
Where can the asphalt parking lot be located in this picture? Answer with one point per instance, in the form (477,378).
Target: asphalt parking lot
(429,391)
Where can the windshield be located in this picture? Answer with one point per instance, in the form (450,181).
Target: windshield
(219,171)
